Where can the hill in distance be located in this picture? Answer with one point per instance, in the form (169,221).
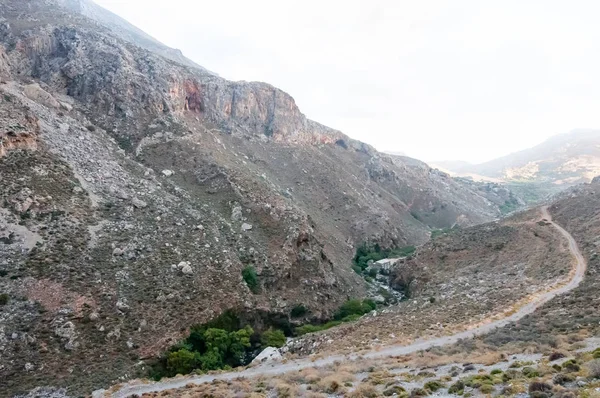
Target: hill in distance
(561,161)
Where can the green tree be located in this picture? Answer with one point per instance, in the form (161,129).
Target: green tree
(212,360)
(181,362)
(273,338)
(238,343)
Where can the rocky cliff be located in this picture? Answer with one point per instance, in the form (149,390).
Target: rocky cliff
(134,190)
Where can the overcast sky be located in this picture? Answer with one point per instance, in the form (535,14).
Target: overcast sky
(468,80)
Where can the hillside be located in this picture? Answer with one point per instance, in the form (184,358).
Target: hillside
(561,161)
(141,196)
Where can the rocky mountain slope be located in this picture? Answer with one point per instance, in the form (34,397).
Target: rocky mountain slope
(134,190)
(561,161)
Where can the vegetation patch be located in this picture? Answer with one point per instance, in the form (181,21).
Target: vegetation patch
(222,343)
(251,279)
(366,253)
(350,311)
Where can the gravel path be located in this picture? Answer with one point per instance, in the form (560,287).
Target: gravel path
(139,388)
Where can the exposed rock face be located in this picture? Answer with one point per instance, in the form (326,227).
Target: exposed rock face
(147,163)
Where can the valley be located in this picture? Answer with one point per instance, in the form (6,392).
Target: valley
(520,310)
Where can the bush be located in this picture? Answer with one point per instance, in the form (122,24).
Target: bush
(593,368)
(596,353)
(251,279)
(273,338)
(556,355)
(181,362)
(457,388)
(530,372)
(298,311)
(418,392)
(355,307)
(486,388)
(206,348)
(3,299)
(433,385)
(571,366)
(539,386)
(496,372)
(562,379)
(510,374)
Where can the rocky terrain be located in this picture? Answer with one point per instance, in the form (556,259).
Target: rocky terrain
(459,279)
(560,162)
(135,187)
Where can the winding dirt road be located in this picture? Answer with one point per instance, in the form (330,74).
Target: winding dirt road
(577,275)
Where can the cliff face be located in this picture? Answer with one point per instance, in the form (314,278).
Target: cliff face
(135,190)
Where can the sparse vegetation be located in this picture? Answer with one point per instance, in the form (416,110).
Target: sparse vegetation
(593,369)
(349,311)
(436,233)
(251,279)
(3,299)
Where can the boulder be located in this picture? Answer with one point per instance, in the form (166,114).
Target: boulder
(185,267)
(267,355)
(168,173)
(246,227)
(35,93)
(138,203)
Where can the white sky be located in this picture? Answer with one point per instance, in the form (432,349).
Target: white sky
(469,79)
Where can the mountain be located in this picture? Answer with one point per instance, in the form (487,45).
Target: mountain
(125,30)
(142,195)
(561,161)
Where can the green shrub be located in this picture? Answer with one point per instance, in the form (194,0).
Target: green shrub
(496,372)
(596,353)
(273,338)
(486,388)
(395,390)
(182,362)
(530,372)
(355,307)
(206,348)
(433,385)
(305,329)
(457,388)
(3,299)
(511,374)
(352,318)
(571,366)
(418,392)
(298,311)
(251,279)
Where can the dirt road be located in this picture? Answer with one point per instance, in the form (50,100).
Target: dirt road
(577,275)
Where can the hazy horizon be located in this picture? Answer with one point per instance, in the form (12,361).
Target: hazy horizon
(434,80)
